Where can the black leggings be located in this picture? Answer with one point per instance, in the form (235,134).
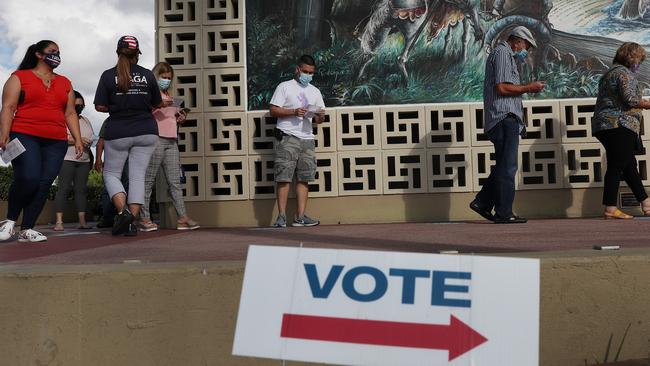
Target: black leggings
(620,144)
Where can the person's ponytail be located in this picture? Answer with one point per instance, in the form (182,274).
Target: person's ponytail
(30,60)
(124,60)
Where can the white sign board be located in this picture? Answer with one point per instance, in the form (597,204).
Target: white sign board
(351,307)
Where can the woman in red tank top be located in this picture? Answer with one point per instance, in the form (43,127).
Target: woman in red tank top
(37,104)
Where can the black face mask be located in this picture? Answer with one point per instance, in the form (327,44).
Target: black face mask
(53,59)
(78,108)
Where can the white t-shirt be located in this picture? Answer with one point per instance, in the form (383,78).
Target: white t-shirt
(291,95)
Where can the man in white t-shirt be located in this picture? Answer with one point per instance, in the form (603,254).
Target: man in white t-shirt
(296,104)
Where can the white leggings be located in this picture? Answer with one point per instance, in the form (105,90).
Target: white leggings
(138,150)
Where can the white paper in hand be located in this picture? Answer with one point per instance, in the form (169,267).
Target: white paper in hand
(12,150)
(312,110)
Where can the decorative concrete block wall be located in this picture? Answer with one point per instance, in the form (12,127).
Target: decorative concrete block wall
(227,151)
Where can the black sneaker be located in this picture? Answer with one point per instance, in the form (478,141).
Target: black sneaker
(481,211)
(514,219)
(132,231)
(104,224)
(121,222)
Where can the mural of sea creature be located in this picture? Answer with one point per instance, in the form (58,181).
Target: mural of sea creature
(410,18)
(634,9)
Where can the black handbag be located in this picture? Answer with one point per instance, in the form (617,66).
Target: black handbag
(639,149)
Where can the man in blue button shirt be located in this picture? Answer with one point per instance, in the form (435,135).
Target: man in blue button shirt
(504,122)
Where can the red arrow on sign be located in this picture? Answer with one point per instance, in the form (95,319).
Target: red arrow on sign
(457,337)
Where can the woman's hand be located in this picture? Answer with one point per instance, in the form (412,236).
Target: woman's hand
(86,142)
(181,117)
(99,165)
(79,148)
(4,140)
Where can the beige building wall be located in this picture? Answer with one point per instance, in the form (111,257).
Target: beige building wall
(375,163)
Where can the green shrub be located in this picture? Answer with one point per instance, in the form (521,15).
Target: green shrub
(95,188)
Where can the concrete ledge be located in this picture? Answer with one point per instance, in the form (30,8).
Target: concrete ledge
(185,313)
(559,203)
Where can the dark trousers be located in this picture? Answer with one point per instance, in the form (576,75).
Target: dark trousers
(498,192)
(73,175)
(34,171)
(620,144)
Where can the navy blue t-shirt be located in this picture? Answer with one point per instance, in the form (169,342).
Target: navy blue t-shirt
(130,112)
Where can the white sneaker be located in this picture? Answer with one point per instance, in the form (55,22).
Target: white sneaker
(31,236)
(7,229)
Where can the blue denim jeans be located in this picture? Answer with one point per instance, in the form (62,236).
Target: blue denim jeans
(34,171)
(498,192)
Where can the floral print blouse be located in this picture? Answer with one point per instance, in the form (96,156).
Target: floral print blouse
(618,92)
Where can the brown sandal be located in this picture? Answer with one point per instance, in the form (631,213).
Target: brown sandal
(618,214)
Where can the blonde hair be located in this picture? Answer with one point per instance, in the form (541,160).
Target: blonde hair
(629,54)
(161,68)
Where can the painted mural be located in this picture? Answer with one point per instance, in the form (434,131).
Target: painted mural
(373,52)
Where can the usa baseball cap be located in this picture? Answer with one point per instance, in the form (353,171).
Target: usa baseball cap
(129,42)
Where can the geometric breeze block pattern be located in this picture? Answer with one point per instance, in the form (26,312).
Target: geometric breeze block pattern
(576,120)
(584,165)
(642,165)
(540,167)
(188,86)
(181,47)
(360,173)
(479,137)
(224,90)
(542,120)
(224,46)
(190,135)
(326,182)
(261,132)
(359,129)
(402,127)
(482,163)
(194,187)
(450,170)
(261,173)
(226,178)
(178,12)
(325,132)
(218,12)
(226,133)
(448,125)
(405,171)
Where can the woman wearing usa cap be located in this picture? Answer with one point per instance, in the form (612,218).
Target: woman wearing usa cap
(128,92)
(37,105)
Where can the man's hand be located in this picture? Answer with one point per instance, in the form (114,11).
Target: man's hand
(300,112)
(320,116)
(536,86)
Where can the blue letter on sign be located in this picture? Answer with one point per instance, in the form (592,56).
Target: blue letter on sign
(381,284)
(408,284)
(439,289)
(318,291)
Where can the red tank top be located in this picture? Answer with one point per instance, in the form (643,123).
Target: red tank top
(42,112)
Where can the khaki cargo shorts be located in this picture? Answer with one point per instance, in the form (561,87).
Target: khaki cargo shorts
(294,156)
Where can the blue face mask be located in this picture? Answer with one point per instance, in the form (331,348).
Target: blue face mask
(634,68)
(305,79)
(521,55)
(163,84)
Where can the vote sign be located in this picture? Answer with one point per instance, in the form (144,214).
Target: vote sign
(351,307)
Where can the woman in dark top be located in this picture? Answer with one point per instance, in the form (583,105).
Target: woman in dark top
(616,124)
(128,92)
(37,105)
